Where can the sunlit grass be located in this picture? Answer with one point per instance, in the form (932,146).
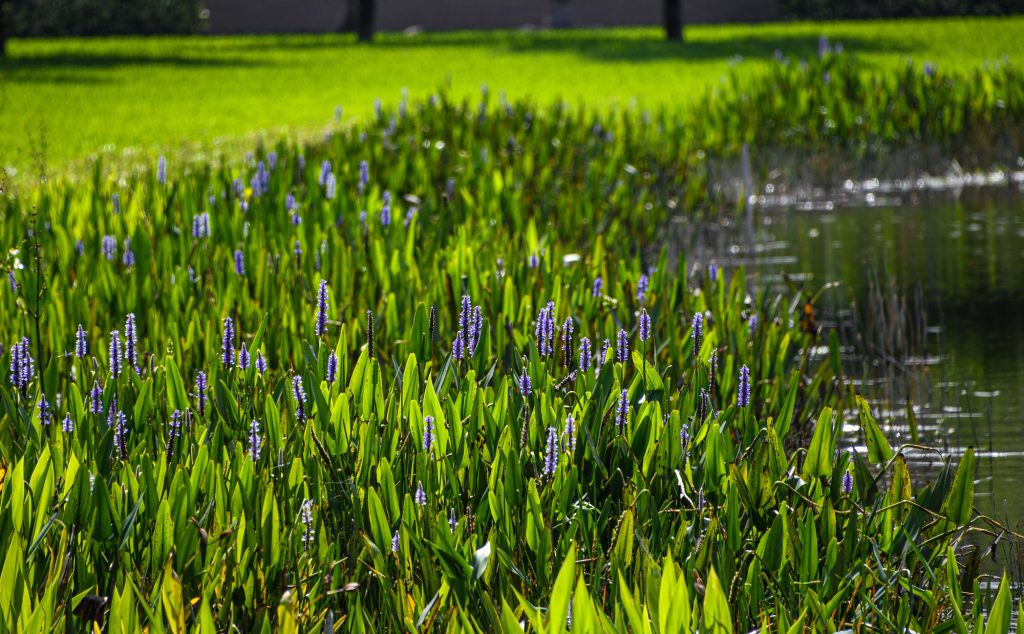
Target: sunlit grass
(167,92)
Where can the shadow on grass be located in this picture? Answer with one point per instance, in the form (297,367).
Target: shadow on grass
(639,45)
(59,62)
(76,67)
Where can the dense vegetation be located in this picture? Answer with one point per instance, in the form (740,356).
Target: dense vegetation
(57,18)
(871,9)
(438,371)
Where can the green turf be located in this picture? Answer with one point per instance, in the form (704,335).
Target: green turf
(158,93)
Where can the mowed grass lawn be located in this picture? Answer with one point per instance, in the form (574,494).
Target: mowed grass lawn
(163,94)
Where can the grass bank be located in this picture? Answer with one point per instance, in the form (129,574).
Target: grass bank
(166,93)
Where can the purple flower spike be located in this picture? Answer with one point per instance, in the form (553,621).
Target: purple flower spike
(743,393)
(622,347)
(161,170)
(596,291)
(306,517)
(239,262)
(68,425)
(128,259)
(459,346)
(109,248)
(332,368)
(394,543)
(475,328)
(325,171)
(525,385)
(81,344)
(173,431)
(299,394)
(45,414)
(570,433)
(120,431)
(201,392)
(254,440)
(385,211)
(622,417)
(584,354)
(116,201)
(96,398)
(131,343)
(551,453)
(641,288)
(428,433)
(331,186)
(261,363)
(243,358)
(698,333)
(567,328)
(364,176)
(421,495)
(545,330)
(752,322)
(320,328)
(645,325)
(115,353)
(227,346)
(847,483)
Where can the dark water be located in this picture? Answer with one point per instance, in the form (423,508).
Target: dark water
(931,305)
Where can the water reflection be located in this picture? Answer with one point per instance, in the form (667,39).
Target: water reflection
(930,308)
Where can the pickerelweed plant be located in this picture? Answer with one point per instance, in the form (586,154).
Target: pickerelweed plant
(427,436)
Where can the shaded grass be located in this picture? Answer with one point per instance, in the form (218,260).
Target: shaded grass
(81,95)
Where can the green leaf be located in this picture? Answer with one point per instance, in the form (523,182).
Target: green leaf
(999,616)
(561,593)
(716,607)
(959,504)
(480,559)
(379,527)
(879,450)
(818,462)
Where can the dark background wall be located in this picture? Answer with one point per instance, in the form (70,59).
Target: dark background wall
(322,16)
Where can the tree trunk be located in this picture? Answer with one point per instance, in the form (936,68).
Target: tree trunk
(3,31)
(367,11)
(673,16)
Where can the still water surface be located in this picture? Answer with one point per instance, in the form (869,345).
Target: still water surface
(953,265)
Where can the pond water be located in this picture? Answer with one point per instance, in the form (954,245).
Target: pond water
(936,280)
